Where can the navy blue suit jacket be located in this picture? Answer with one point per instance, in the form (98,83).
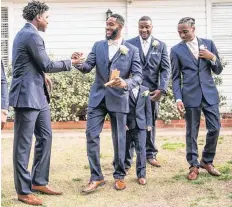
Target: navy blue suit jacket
(4,90)
(191,78)
(29,63)
(155,66)
(140,114)
(116,99)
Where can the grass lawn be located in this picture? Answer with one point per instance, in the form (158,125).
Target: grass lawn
(167,186)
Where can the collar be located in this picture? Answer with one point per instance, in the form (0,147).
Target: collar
(32,25)
(147,41)
(194,41)
(116,43)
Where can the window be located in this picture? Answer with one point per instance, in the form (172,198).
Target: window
(4,35)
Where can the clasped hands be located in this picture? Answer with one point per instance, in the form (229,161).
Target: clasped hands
(77,58)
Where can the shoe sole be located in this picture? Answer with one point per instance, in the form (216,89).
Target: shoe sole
(208,171)
(29,203)
(90,191)
(119,189)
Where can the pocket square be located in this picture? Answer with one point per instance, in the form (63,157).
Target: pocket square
(155,53)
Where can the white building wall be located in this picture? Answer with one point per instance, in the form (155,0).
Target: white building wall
(72,26)
(165,15)
(75,26)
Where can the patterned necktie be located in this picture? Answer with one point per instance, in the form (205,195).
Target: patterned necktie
(194,49)
(145,47)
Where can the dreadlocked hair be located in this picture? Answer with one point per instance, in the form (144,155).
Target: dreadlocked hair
(187,20)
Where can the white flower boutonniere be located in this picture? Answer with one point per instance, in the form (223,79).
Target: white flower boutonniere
(202,47)
(155,43)
(123,49)
(145,93)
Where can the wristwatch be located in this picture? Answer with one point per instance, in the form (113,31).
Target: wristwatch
(214,59)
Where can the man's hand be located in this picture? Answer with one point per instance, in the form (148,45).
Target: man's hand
(180,108)
(48,82)
(206,54)
(155,95)
(77,58)
(3,118)
(149,128)
(118,82)
(127,128)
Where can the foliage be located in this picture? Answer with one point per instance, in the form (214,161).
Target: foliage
(69,96)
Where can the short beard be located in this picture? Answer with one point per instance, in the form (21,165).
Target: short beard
(113,35)
(145,38)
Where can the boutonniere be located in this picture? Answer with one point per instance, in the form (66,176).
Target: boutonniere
(123,49)
(155,43)
(145,93)
(202,47)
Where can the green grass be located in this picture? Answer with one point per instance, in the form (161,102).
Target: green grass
(166,186)
(76,179)
(225,169)
(173,146)
(230,196)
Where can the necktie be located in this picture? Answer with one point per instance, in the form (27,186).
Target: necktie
(194,49)
(145,47)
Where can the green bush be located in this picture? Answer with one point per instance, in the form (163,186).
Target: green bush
(69,96)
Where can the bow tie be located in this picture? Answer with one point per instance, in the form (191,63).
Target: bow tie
(113,42)
(145,41)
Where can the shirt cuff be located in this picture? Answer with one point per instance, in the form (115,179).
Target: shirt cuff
(178,100)
(213,61)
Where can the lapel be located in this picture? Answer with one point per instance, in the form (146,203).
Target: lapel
(118,53)
(139,97)
(186,50)
(106,52)
(151,48)
(132,96)
(141,54)
(201,60)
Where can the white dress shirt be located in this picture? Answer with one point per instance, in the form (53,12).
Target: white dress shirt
(145,45)
(194,47)
(135,91)
(114,46)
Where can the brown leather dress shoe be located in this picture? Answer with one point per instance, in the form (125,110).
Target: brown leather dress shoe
(30,199)
(154,162)
(46,189)
(119,184)
(210,168)
(193,173)
(142,181)
(93,185)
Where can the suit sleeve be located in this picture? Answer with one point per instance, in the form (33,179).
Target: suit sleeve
(217,67)
(136,71)
(4,90)
(90,62)
(176,76)
(165,69)
(36,49)
(148,111)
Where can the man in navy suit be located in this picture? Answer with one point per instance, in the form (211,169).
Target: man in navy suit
(106,55)
(193,61)
(156,72)
(29,97)
(139,120)
(4,97)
